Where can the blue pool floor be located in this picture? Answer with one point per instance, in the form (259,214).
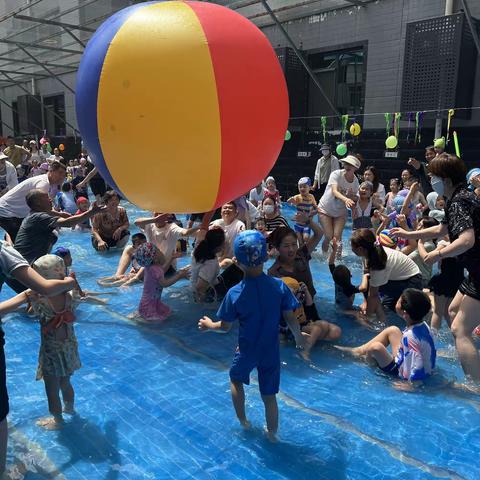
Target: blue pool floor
(154,402)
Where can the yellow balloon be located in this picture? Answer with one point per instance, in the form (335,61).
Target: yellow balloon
(355,129)
(391,141)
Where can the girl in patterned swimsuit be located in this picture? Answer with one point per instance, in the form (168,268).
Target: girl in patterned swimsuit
(151,308)
(58,357)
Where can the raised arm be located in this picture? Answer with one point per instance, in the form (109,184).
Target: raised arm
(30,278)
(161,219)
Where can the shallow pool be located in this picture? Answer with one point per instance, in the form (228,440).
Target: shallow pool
(154,402)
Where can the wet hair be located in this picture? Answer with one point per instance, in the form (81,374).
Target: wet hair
(428,222)
(415,303)
(66,187)
(376,256)
(208,247)
(279,234)
(376,180)
(31,198)
(138,236)
(449,166)
(109,194)
(341,275)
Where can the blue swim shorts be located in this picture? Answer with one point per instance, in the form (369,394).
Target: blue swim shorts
(268,375)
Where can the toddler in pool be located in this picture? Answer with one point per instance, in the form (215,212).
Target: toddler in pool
(151,308)
(58,357)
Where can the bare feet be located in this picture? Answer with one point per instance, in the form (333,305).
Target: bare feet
(245,424)
(305,354)
(355,352)
(69,408)
(50,423)
(271,436)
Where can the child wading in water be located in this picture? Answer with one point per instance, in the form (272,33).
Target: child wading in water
(257,302)
(58,357)
(413,350)
(151,308)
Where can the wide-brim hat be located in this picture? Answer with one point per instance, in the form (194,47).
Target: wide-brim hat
(351,160)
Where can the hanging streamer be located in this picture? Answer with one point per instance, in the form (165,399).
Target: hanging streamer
(323,121)
(396,124)
(344,126)
(418,126)
(457,146)
(451,113)
(388,121)
(410,116)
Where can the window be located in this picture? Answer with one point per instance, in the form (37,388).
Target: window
(53,124)
(342,77)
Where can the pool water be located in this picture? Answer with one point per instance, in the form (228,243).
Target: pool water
(154,402)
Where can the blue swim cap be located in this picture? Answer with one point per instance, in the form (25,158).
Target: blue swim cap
(62,252)
(250,248)
(472,173)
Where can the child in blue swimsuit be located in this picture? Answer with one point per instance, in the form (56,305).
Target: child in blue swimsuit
(258,303)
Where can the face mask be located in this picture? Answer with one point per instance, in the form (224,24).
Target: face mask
(438,185)
(325,153)
(268,209)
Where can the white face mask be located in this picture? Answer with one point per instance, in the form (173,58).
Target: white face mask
(438,185)
(268,209)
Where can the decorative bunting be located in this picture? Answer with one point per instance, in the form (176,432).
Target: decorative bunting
(323,121)
(344,126)
(451,113)
(388,122)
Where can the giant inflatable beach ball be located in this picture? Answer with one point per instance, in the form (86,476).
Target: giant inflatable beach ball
(182,105)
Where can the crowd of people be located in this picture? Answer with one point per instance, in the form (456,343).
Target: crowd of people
(429,215)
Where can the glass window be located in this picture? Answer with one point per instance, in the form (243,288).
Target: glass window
(53,124)
(342,77)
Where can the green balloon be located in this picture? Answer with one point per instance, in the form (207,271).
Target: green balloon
(288,135)
(341,149)
(391,142)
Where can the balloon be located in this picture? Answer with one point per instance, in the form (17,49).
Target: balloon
(391,142)
(43,140)
(385,239)
(49,148)
(200,81)
(341,149)
(439,143)
(61,147)
(355,129)
(288,135)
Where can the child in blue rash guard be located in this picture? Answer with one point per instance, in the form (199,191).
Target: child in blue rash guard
(413,350)
(257,302)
